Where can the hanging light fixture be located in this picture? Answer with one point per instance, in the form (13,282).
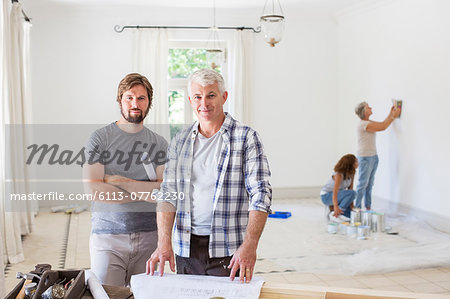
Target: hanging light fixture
(215,55)
(272,24)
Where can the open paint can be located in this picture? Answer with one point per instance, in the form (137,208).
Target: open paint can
(351,231)
(363,232)
(355,216)
(343,228)
(366,218)
(378,222)
(332,228)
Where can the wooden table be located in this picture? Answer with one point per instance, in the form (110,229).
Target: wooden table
(297,291)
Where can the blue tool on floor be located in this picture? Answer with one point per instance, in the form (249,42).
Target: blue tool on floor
(279,214)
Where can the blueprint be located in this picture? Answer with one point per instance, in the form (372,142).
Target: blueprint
(172,286)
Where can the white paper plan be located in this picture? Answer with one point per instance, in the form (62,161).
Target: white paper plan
(148,167)
(172,286)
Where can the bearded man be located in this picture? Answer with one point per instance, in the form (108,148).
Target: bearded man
(125,162)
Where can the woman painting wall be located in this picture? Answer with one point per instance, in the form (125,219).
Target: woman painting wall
(367,150)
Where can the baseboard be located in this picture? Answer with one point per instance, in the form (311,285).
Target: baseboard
(438,222)
(295,192)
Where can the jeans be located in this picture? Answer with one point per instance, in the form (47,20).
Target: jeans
(114,258)
(367,168)
(345,198)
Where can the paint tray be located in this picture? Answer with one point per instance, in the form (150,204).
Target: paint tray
(279,214)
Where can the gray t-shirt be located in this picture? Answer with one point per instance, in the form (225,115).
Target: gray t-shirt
(120,153)
(329,186)
(366,140)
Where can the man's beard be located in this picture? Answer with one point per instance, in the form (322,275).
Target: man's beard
(134,119)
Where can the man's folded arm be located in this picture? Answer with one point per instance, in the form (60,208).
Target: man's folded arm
(93,181)
(131,185)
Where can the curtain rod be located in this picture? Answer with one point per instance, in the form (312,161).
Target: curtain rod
(119,29)
(24,14)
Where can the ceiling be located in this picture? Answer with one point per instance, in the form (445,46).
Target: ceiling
(329,5)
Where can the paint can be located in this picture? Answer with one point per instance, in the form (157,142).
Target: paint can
(378,222)
(366,218)
(382,222)
(343,228)
(363,232)
(355,216)
(351,231)
(332,228)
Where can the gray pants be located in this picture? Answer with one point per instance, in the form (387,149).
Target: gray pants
(114,258)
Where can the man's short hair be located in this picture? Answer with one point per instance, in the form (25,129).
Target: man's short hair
(132,80)
(360,110)
(206,77)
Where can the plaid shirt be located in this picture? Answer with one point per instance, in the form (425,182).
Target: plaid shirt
(242,185)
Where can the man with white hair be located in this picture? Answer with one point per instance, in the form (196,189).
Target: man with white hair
(219,174)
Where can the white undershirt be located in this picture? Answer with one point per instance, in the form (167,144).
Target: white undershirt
(203,181)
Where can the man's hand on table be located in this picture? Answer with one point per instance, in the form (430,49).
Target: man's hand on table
(244,260)
(162,254)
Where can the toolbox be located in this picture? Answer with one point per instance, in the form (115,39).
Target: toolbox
(49,278)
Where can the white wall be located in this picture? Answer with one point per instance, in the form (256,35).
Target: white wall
(400,49)
(78,61)
(304,89)
(294,102)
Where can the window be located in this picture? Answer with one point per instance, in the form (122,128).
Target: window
(184,60)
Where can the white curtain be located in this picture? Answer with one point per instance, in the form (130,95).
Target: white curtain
(3,15)
(16,217)
(4,19)
(150,58)
(240,77)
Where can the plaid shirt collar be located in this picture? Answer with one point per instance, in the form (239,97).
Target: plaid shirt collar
(227,125)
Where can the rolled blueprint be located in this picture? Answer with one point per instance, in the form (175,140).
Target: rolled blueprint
(148,167)
(96,288)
